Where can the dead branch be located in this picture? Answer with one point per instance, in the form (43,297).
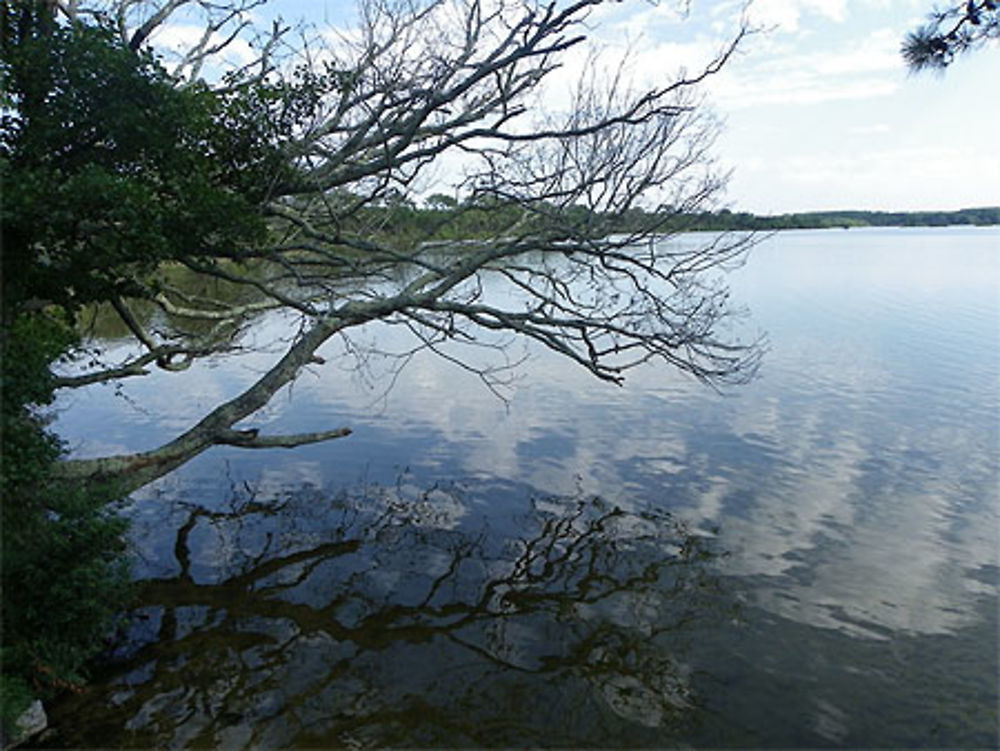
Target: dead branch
(538,246)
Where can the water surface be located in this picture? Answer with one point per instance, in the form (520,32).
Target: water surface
(810,560)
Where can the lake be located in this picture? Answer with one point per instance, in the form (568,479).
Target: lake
(810,560)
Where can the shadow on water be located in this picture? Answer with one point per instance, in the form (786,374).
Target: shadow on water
(381,619)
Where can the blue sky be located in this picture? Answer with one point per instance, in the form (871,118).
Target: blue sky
(820,111)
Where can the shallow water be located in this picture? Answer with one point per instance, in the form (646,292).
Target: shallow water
(809,560)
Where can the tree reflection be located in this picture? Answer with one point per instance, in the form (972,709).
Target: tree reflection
(388,621)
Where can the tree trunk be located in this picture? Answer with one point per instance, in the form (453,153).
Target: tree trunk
(128,472)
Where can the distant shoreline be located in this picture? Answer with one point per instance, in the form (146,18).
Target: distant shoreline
(730,220)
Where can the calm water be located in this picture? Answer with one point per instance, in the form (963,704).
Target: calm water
(810,560)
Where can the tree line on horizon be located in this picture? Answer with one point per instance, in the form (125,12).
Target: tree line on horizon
(728,220)
(444,218)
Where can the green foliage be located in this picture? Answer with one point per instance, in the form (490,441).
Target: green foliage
(253,124)
(63,574)
(28,452)
(109,168)
(63,580)
(26,348)
(725,220)
(445,219)
(15,698)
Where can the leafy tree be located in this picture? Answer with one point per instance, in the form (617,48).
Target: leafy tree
(217,193)
(63,574)
(109,169)
(950,31)
(442,202)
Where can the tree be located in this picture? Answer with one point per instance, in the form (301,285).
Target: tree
(188,196)
(950,31)
(50,624)
(108,169)
(286,185)
(442,202)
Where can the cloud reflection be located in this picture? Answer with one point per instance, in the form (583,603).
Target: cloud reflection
(855,482)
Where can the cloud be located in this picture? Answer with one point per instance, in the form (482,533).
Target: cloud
(801,87)
(633,21)
(870,129)
(771,67)
(176,39)
(786,15)
(895,178)
(863,69)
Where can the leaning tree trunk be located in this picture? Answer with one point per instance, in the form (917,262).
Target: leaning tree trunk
(128,472)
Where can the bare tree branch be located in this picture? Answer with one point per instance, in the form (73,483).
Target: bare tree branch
(564,223)
(250,439)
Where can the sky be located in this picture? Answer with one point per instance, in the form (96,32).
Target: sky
(820,112)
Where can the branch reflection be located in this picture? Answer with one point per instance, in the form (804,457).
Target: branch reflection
(388,621)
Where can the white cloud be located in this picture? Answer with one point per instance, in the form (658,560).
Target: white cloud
(786,15)
(876,53)
(802,87)
(621,19)
(870,129)
(176,39)
(863,69)
(842,176)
